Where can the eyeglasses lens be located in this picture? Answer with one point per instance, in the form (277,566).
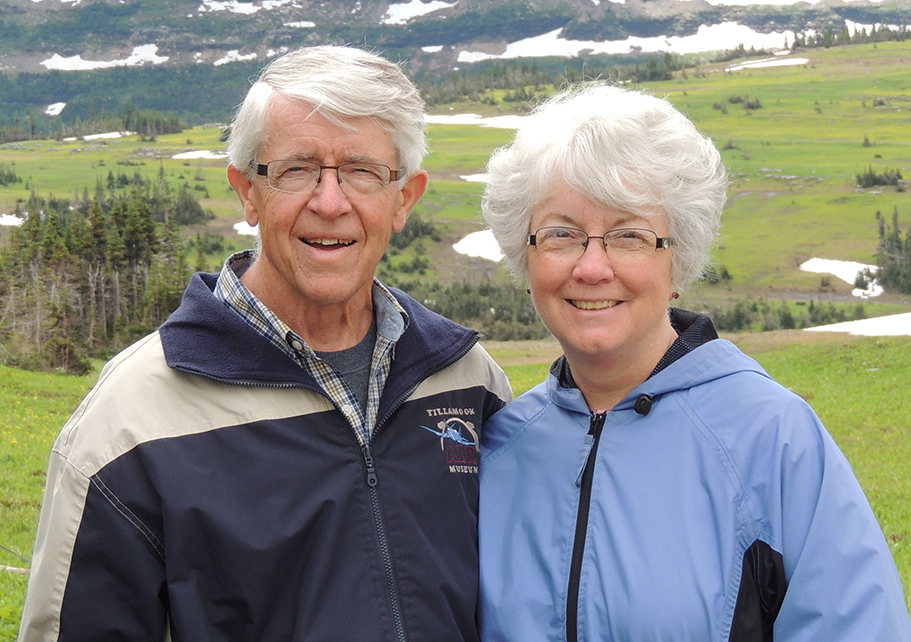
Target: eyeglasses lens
(301,176)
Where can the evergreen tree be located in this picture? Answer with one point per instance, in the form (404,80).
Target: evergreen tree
(894,255)
(87,277)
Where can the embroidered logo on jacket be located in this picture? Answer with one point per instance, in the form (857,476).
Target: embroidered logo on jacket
(458,439)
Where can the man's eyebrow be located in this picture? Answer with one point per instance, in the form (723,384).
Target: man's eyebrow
(297,156)
(366,158)
(353,158)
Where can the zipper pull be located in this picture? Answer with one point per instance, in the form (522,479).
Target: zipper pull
(591,438)
(371,471)
(597,423)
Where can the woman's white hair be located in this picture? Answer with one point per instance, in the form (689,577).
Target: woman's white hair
(339,83)
(621,148)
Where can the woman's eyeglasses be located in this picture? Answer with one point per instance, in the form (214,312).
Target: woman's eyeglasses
(571,242)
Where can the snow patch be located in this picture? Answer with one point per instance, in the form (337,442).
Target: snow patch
(726,35)
(246,8)
(105,135)
(847,271)
(399,14)
(480,244)
(244,229)
(233,56)
(140,56)
(500,122)
(203,153)
(770,62)
(10,220)
(55,109)
(744,3)
(232,6)
(893,325)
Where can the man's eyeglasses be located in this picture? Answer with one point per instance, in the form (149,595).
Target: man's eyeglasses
(297,176)
(571,243)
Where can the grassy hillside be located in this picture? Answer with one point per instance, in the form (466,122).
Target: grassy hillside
(33,408)
(794,160)
(793,165)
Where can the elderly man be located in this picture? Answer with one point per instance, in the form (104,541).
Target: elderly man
(293,455)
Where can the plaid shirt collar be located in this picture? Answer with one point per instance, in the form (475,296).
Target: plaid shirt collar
(392,320)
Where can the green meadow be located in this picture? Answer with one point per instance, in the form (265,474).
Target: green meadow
(793,196)
(33,408)
(792,162)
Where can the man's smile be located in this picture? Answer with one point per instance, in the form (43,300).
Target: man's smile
(327,243)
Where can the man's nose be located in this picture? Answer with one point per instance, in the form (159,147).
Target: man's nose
(328,197)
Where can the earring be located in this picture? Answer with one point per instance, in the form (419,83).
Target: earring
(675,295)
(527,290)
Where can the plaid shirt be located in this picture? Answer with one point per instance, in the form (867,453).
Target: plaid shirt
(391,323)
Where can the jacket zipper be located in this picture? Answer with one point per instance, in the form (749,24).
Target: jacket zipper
(372,481)
(398,617)
(394,602)
(585,495)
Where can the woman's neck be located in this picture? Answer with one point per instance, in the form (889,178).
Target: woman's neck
(606,379)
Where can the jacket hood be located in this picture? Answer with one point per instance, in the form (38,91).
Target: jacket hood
(204,337)
(712,360)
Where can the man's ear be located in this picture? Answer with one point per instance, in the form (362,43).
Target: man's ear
(242,186)
(408,197)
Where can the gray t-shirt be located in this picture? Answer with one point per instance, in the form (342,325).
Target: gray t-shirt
(353,364)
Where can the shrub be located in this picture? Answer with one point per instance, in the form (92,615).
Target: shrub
(872,178)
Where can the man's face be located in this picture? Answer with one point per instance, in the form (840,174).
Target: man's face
(320,249)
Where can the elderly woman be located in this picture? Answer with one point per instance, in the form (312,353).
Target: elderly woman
(658,485)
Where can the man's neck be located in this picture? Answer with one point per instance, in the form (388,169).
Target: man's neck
(329,329)
(325,328)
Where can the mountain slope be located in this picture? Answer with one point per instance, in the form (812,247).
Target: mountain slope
(182,32)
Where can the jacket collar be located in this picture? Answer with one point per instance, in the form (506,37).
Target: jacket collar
(204,337)
(693,330)
(697,356)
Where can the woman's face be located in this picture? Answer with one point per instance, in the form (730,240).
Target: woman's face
(601,304)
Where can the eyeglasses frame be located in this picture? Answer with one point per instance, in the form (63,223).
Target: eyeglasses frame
(262,169)
(661,242)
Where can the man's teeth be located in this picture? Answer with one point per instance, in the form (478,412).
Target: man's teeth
(594,305)
(327,242)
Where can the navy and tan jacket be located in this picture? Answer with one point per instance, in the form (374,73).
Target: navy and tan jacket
(207,490)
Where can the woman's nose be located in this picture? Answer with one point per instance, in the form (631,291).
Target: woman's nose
(596,263)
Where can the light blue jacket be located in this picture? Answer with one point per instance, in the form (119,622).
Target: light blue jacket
(702,510)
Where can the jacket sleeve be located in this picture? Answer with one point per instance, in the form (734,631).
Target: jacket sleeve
(97,572)
(842,580)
